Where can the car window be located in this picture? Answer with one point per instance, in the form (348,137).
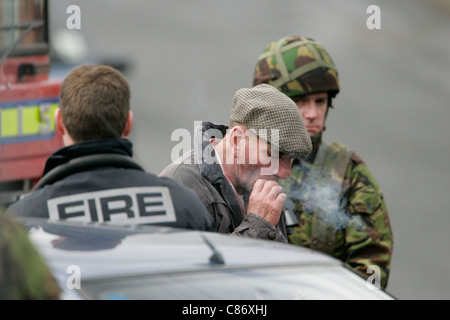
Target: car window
(284,283)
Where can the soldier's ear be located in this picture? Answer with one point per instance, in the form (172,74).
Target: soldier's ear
(128,125)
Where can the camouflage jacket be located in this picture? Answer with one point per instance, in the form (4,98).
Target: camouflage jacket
(340,209)
(23,272)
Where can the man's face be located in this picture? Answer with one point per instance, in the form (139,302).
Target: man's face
(313,108)
(256,160)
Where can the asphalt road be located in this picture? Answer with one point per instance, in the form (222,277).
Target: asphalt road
(186,59)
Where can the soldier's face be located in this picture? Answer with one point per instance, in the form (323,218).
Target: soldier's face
(313,108)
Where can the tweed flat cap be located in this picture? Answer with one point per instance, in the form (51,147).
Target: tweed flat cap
(264,107)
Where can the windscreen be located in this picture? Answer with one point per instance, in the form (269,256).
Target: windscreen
(277,283)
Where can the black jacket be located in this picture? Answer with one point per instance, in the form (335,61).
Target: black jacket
(111,191)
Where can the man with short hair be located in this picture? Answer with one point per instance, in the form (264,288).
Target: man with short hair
(339,205)
(235,170)
(94,178)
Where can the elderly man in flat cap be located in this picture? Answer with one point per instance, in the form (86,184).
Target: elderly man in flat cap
(235,170)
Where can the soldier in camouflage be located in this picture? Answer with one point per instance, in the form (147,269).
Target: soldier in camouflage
(23,273)
(336,201)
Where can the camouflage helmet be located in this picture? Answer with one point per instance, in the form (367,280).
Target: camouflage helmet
(297,66)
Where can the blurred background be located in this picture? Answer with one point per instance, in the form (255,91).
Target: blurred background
(185,60)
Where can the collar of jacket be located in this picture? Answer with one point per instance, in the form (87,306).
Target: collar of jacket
(210,168)
(65,154)
(205,153)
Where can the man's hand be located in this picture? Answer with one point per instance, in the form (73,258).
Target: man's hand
(266,200)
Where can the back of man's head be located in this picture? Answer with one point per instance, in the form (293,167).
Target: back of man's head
(95,101)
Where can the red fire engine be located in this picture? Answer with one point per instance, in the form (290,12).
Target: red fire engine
(28,98)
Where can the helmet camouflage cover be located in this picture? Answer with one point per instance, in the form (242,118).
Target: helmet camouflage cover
(297,66)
